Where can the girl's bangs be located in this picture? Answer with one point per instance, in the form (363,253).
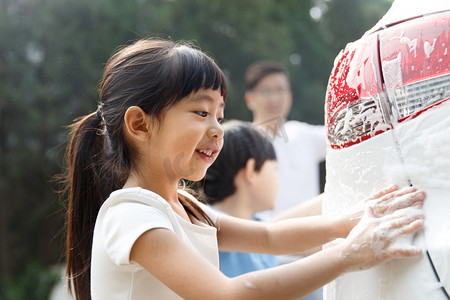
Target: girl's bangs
(195,71)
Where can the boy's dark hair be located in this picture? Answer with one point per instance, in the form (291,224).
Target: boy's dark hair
(242,141)
(260,69)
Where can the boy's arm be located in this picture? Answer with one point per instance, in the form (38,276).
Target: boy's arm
(311,207)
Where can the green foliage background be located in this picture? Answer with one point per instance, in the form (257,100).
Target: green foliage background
(51,57)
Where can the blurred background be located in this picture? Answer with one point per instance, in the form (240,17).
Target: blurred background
(51,57)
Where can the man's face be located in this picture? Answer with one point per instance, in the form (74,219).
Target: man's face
(270,98)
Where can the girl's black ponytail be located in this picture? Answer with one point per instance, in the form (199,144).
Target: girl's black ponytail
(87,193)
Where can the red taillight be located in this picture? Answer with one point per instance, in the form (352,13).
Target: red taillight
(387,77)
(354,108)
(419,52)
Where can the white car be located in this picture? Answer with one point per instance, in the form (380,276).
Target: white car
(388,121)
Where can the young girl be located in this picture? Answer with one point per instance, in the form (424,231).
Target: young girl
(134,234)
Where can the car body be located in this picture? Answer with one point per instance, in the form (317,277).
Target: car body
(388,121)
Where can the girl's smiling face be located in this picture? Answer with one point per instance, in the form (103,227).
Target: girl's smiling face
(187,140)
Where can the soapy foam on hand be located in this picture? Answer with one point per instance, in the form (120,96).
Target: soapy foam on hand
(381,234)
(403,241)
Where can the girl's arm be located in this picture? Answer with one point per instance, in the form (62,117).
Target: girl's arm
(283,237)
(184,271)
(300,234)
(180,268)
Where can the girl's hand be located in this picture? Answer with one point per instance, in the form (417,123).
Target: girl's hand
(392,199)
(388,216)
(385,202)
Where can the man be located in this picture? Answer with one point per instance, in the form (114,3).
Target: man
(300,147)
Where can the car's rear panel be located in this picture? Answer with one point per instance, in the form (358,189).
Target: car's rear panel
(418,152)
(388,120)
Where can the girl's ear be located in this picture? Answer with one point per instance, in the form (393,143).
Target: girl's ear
(137,123)
(249,170)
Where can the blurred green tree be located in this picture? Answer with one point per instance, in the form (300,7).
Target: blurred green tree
(347,20)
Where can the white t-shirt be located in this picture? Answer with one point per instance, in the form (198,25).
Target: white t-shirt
(299,147)
(123,217)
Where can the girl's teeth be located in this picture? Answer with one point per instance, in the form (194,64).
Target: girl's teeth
(207,152)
